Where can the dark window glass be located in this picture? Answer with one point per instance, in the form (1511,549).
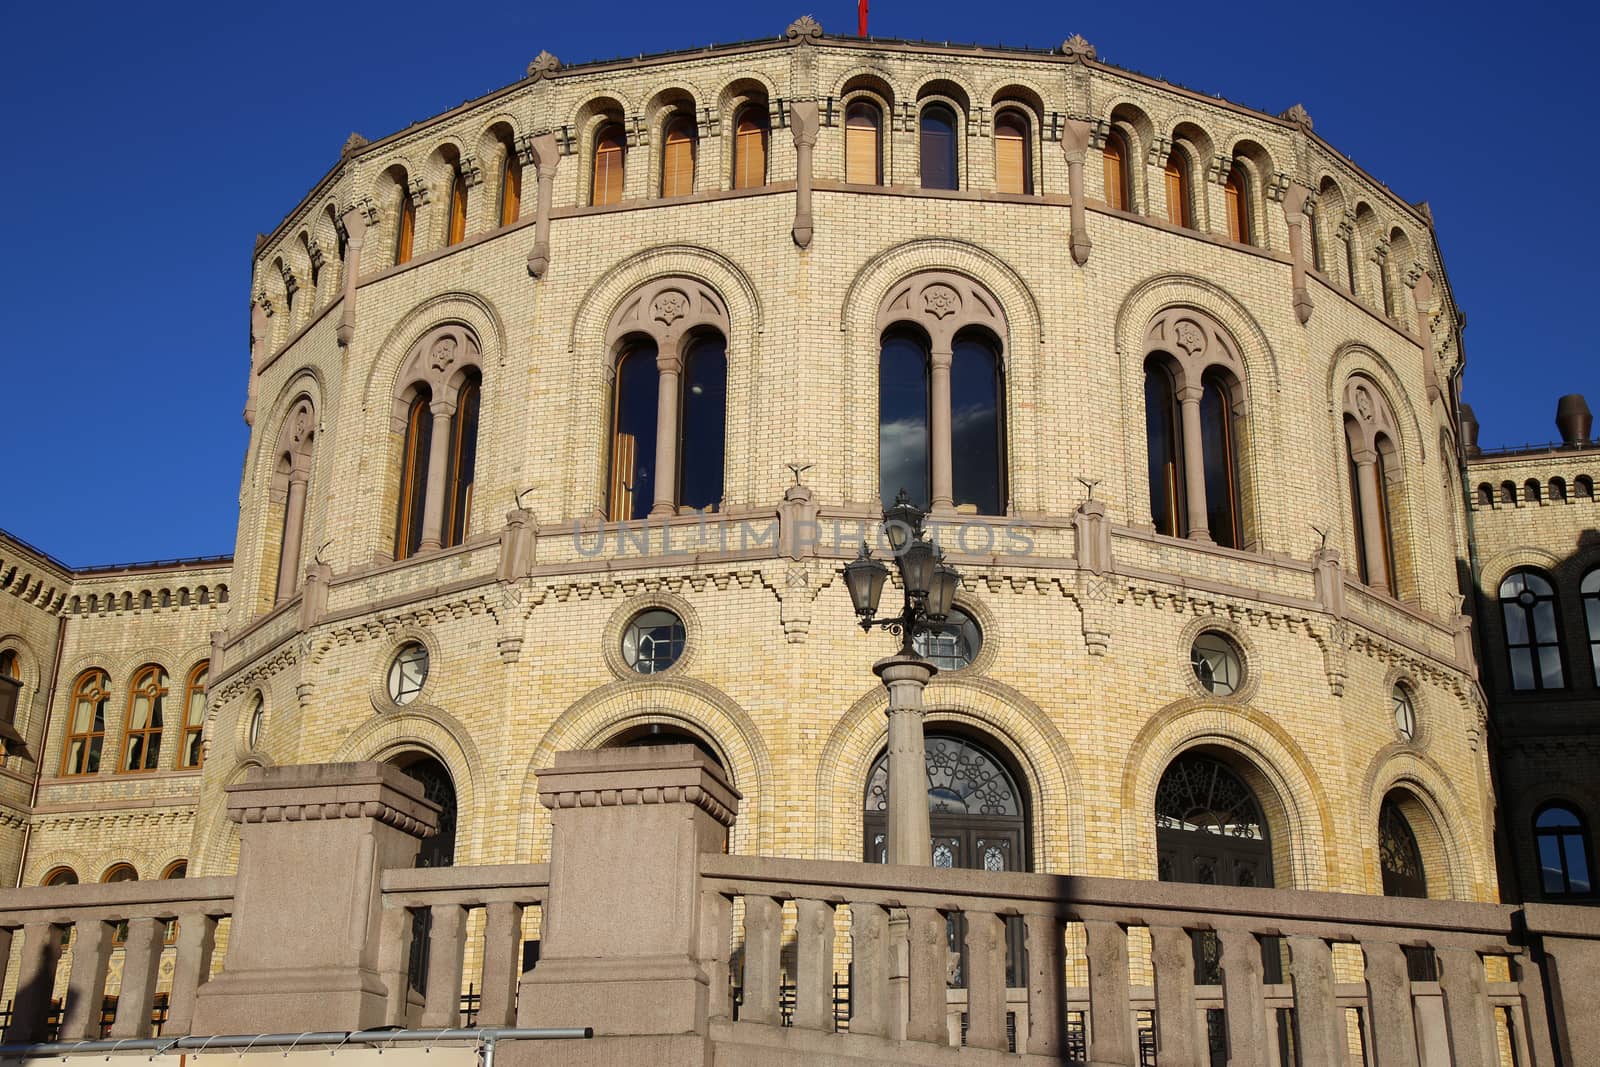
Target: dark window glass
(938,147)
(1590,589)
(1358,514)
(414,475)
(903,444)
(463,461)
(977,426)
(1399,857)
(1166,462)
(1386,521)
(1533,641)
(704,421)
(1563,848)
(1217,437)
(633,441)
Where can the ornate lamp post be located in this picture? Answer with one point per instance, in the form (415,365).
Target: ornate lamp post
(929,587)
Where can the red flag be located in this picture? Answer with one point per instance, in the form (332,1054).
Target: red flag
(861,16)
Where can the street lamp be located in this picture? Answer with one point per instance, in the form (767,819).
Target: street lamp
(928,588)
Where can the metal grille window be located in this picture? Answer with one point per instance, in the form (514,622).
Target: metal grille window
(408,673)
(1398,854)
(653,641)
(1217,663)
(1405,713)
(1533,638)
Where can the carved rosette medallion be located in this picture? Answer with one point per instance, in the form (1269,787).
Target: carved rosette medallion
(443,355)
(669,307)
(1190,337)
(941,301)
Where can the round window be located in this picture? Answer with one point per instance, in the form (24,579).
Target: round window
(1217,663)
(257,714)
(949,645)
(1405,713)
(408,673)
(653,641)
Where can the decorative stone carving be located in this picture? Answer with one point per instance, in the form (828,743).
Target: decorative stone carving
(1078,49)
(471,173)
(1190,338)
(443,355)
(439,359)
(804,30)
(1160,149)
(525,150)
(1298,115)
(291,284)
(669,307)
(316,253)
(667,310)
(264,302)
(1219,167)
(354,143)
(543,66)
(418,190)
(1277,184)
(368,209)
(1195,341)
(941,301)
(566,140)
(1370,417)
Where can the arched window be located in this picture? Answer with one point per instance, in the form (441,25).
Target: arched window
(1583,487)
(1236,194)
(463,465)
(405,232)
(510,186)
(436,851)
(1398,855)
(456,228)
(120,872)
(1209,826)
(1374,482)
(1219,448)
(1168,498)
(1485,495)
(1013,155)
(1531,491)
(904,446)
(147,700)
(191,752)
(1562,842)
(677,157)
(610,155)
(704,424)
(1589,589)
(939,155)
(750,147)
(86,732)
(1558,490)
(1533,637)
(1314,237)
(1508,493)
(1350,259)
(1179,211)
(633,441)
(61,876)
(977,425)
(863,161)
(1114,164)
(8,664)
(415,452)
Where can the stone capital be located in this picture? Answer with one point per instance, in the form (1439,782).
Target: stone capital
(325,792)
(625,777)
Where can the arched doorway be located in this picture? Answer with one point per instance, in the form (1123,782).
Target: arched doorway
(1209,826)
(1399,857)
(977,820)
(436,851)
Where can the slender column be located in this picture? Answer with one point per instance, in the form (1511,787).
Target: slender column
(1075,136)
(813,995)
(1194,463)
(394,963)
(447,944)
(36,979)
(1371,535)
(1422,295)
(502,947)
(86,984)
(986,980)
(803,122)
(1243,998)
(763,935)
(905,677)
(1110,1028)
(438,460)
(1172,950)
(939,428)
(1466,1006)
(1393,1024)
(1321,1020)
(670,368)
(928,977)
(355,228)
(1294,206)
(869,954)
(1045,965)
(140,967)
(546,156)
(197,939)
(294,521)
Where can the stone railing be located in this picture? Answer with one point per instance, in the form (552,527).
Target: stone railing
(88,923)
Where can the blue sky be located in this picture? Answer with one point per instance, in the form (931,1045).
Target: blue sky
(150,143)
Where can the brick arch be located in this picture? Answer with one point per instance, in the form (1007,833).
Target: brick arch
(687,702)
(441,360)
(1493,570)
(474,311)
(1454,864)
(41,864)
(305,384)
(1015,723)
(441,735)
(1299,818)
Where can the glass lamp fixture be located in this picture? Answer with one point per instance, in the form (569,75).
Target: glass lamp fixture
(902,522)
(942,591)
(916,566)
(864,578)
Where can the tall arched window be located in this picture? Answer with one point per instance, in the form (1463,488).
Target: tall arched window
(510,186)
(904,447)
(1533,636)
(750,147)
(610,155)
(463,468)
(1209,826)
(977,425)
(86,732)
(456,228)
(414,456)
(1219,447)
(1114,162)
(1398,855)
(1375,482)
(1562,841)
(704,430)
(1179,210)
(1237,195)
(1314,237)
(863,160)
(940,161)
(147,702)
(1589,589)
(633,440)
(192,751)
(677,157)
(8,664)
(1013,155)
(1168,497)
(405,233)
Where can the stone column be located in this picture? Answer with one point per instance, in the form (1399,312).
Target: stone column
(1370,533)
(36,978)
(294,521)
(314,841)
(905,677)
(433,502)
(1075,136)
(1294,206)
(621,934)
(1194,463)
(355,227)
(939,437)
(670,368)
(1422,296)
(803,122)
(546,156)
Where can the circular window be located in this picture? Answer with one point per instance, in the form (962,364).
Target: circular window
(653,641)
(1405,713)
(408,673)
(257,714)
(1217,663)
(949,645)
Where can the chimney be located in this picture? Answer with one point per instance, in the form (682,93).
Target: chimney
(1469,431)
(1573,420)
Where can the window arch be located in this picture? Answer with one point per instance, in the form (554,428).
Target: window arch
(1210,828)
(405,231)
(456,221)
(1583,487)
(60,876)
(1589,590)
(191,753)
(633,434)
(1374,481)
(510,183)
(120,872)
(415,454)
(1236,193)
(1118,176)
(1013,152)
(1558,490)
(435,417)
(939,152)
(9,667)
(145,720)
(610,158)
(1180,207)
(86,731)
(1530,614)
(1561,840)
(752,129)
(291,481)
(1531,491)
(863,156)
(679,148)
(1485,495)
